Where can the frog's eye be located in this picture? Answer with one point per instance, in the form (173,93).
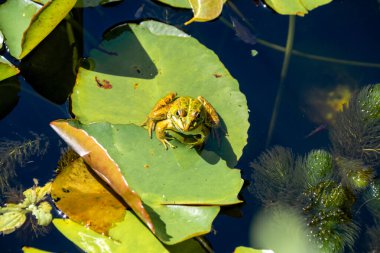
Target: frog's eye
(181,113)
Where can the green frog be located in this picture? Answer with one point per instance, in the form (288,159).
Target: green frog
(187,119)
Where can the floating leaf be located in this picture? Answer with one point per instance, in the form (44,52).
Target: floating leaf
(11,217)
(242,249)
(84,199)
(7,69)
(103,164)
(171,183)
(128,235)
(1,40)
(174,62)
(25,24)
(298,7)
(205,10)
(26,249)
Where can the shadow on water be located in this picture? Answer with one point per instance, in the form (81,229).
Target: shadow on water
(9,89)
(123,49)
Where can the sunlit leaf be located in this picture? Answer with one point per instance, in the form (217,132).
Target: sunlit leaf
(242,249)
(26,249)
(84,199)
(7,69)
(205,10)
(36,194)
(165,180)
(295,7)
(128,235)
(148,71)
(1,40)
(10,220)
(103,164)
(25,24)
(43,214)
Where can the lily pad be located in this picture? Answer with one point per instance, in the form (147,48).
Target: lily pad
(27,249)
(84,199)
(7,69)
(127,235)
(298,7)
(242,249)
(181,191)
(205,10)
(174,62)
(1,40)
(25,24)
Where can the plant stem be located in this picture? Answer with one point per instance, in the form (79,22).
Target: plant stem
(284,71)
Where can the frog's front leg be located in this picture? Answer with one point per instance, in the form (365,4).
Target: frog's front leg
(161,127)
(159,112)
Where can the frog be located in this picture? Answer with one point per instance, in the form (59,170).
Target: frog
(186,119)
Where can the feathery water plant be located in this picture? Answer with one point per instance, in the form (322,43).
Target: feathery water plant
(354,173)
(273,176)
(14,153)
(319,166)
(356,132)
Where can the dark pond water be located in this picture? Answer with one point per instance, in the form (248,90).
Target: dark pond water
(344,29)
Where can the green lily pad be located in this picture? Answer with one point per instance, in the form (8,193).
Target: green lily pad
(1,40)
(125,236)
(25,24)
(7,69)
(242,249)
(180,191)
(147,71)
(128,234)
(298,7)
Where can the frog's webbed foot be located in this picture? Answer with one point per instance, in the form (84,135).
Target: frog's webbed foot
(167,143)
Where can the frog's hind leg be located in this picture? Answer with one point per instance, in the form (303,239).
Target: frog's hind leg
(161,104)
(211,112)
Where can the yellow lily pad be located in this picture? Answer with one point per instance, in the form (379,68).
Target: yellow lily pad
(84,199)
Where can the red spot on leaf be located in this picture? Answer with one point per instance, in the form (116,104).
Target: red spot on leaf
(104,84)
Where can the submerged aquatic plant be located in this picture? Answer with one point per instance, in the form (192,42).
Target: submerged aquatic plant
(273,176)
(356,132)
(310,185)
(354,173)
(15,153)
(319,166)
(372,199)
(373,238)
